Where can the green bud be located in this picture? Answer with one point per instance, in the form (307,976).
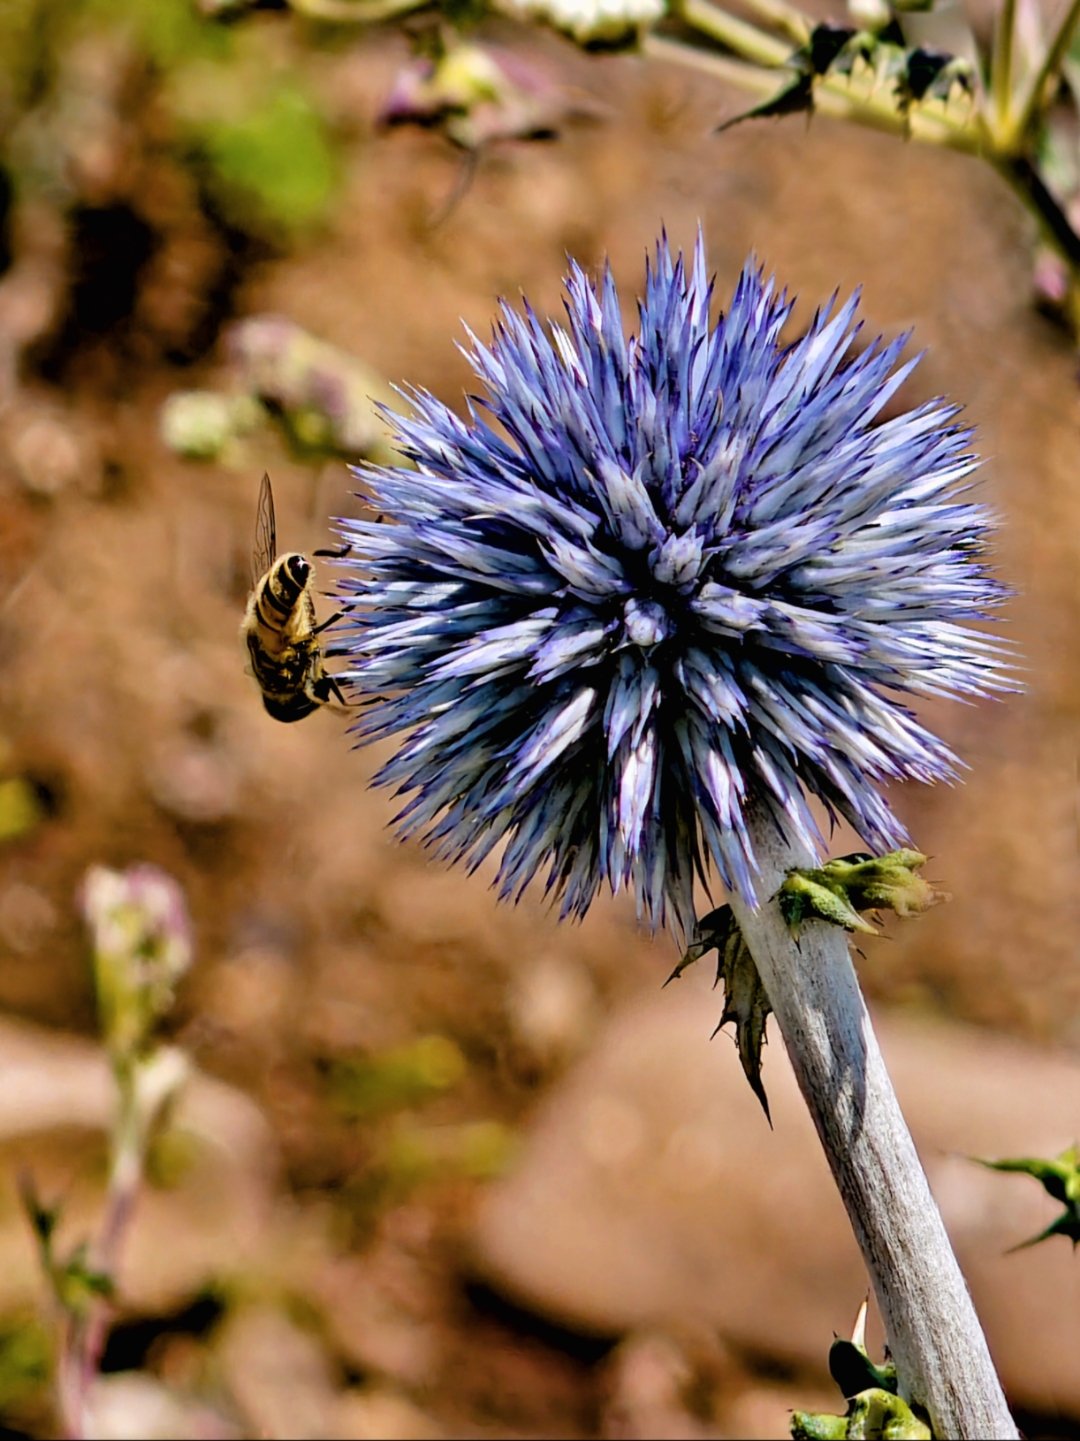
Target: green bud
(878,1415)
(839,890)
(818,1426)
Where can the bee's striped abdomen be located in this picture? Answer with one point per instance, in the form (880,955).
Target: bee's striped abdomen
(279,593)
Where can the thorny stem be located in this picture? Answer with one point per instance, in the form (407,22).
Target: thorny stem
(876,110)
(841,100)
(933,1332)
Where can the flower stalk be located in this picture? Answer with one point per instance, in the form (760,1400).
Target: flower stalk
(141,948)
(1000,109)
(691,586)
(941,1355)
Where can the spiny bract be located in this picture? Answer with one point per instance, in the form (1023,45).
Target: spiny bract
(690,580)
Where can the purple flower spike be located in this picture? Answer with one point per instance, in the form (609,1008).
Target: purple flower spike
(696,575)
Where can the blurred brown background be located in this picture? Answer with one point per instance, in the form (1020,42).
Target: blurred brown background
(565,1215)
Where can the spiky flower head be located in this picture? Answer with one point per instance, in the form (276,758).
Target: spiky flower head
(692,575)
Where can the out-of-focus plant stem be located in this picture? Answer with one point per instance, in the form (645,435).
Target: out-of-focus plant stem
(830,98)
(86,1333)
(145,1087)
(784,17)
(1001,69)
(1050,67)
(745,39)
(354,12)
(1028,184)
(999,120)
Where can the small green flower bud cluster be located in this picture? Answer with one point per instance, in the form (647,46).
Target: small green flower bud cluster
(875,1412)
(837,891)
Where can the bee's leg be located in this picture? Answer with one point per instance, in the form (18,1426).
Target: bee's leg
(320,628)
(339,554)
(324,687)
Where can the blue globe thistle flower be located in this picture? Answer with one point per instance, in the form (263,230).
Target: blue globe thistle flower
(691,574)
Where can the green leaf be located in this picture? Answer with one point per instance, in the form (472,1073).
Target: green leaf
(853,1371)
(26,1359)
(77,1283)
(275,163)
(875,1412)
(795,96)
(814,895)
(1059,1178)
(746,1001)
(43,1219)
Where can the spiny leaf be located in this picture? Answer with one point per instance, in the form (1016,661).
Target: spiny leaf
(797,93)
(43,1219)
(794,97)
(1060,1178)
(814,895)
(745,999)
(854,1372)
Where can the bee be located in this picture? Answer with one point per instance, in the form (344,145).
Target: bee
(279,627)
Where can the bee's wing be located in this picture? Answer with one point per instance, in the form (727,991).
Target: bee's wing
(265,533)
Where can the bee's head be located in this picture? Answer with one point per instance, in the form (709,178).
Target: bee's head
(299,569)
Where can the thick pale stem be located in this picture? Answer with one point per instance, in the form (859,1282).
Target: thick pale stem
(788,18)
(872,106)
(1001,68)
(942,1358)
(746,40)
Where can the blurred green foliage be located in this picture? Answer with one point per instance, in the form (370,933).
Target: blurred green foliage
(478,1150)
(26,1362)
(270,162)
(385,1092)
(246,118)
(20,809)
(371,1086)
